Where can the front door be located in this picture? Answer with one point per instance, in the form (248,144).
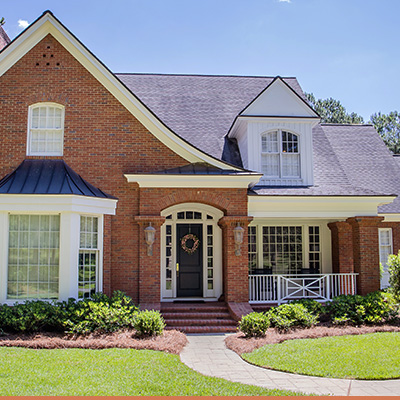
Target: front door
(189,257)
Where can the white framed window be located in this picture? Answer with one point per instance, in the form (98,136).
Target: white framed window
(287,250)
(33,257)
(385,249)
(280,155)
(45,130)
(88,265)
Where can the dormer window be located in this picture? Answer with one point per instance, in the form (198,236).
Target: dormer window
(280,155)
(45,130)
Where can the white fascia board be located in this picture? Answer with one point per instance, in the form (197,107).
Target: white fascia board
(49,25)
(315,206)
(48,203)
(390,217)
(193,181)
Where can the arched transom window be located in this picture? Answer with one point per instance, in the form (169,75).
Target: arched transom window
(46,129)
(280,154)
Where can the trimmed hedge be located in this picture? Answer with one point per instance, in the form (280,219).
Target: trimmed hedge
(254,324)
(101,314)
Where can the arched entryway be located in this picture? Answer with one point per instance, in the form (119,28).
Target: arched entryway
(191,253)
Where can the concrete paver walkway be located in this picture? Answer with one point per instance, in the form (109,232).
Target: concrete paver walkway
(207,354)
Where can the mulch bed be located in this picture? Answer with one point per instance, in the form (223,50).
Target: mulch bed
(170,341)
(240,344)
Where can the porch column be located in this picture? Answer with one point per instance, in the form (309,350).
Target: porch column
(366,252)
(149,265)
(342,247)
(235,267)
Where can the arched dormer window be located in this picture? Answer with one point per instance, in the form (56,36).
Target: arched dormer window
(280,155)
(45,130)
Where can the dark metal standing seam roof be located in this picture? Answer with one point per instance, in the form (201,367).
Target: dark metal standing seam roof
(48,177)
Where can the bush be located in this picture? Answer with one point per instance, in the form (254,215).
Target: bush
(99,314)
(394,271)
(312,306)
(288,316)
(254,324)
(148,323)
(374,308)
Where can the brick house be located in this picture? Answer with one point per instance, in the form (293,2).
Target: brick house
(178,187)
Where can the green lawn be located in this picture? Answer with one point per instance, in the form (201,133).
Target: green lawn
(372,356)
(122,372)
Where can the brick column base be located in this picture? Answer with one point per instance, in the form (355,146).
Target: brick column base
(366,252)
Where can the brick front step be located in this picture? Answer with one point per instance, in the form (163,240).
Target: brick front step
(200,322)
(203,329)
(195,315)
(198,317)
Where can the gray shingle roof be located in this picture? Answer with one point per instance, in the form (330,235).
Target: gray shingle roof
(200,108)
(4,39)
(48,177)
(349,160)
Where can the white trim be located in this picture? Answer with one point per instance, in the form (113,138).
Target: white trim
(268,118)
(29,130)
(49,203)
(47,24)
(384,281)
(4,235)
(193,181)
(273,206)
(390,217)
(210,295)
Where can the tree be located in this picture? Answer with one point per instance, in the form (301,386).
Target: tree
(2,21)
(332,111)
(388,126)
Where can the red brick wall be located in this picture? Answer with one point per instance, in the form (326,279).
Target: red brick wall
(102,142)
(342,247)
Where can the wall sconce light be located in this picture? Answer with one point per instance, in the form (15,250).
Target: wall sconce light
(238,233)
(150,235)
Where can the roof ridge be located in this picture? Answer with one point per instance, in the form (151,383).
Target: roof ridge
(206,75)
(337,124)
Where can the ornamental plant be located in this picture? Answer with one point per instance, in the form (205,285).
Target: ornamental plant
(394,271)
(254,324)
(148,323)
(289,316)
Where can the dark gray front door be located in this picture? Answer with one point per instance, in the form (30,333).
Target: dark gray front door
(190,271)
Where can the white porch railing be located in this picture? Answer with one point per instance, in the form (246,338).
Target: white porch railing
(283,288)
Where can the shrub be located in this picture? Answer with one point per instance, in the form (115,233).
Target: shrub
(288,316)
(254,324)
(99,314)
(394,271)
(374,308)
(148,323)
(312,306)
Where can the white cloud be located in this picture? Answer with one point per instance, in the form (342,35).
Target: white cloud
(285,1)
(24,24)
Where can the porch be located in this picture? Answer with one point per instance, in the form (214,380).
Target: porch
(278,289)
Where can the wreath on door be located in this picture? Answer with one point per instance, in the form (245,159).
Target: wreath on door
(184,243)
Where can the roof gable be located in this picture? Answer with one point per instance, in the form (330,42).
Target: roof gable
(279,99)
(48,24)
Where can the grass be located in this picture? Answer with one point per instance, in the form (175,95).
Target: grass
(111,372)
(370,356)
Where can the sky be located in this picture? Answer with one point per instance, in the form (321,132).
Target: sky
(345,49)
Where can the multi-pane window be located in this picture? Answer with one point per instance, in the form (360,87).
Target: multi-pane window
(168,255)
(33,257)
(280,156)
(210,258)
(252,243)
(88,257)
(46,130)
(385,249)
(285,250)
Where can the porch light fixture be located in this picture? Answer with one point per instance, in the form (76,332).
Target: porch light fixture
(150,235)
(238,233)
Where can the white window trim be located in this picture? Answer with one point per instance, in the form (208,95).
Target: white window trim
(280,154)
(305,242)
(28,141)
(381,245)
